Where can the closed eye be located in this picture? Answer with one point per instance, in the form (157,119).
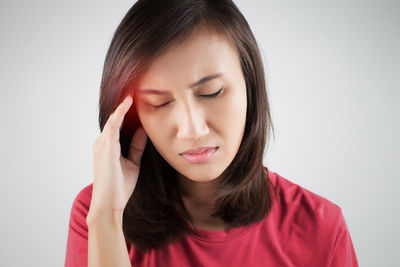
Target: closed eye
(212,95)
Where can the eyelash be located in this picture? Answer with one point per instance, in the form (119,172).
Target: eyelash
(207,96)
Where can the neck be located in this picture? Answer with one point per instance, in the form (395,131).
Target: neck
(198,198)
(201,194)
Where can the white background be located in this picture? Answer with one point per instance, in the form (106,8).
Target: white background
(332,69)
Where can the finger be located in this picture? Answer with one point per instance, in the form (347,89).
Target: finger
(114,122)
(137,145)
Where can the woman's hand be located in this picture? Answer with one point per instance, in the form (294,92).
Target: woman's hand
(115,176)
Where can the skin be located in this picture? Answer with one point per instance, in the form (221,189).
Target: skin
(189,120)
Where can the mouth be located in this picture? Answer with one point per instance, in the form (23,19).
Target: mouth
(199,155)
(198,150)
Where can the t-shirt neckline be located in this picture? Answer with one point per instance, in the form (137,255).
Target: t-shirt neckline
(216,236)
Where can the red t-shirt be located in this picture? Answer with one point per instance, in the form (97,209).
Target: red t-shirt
(303,229)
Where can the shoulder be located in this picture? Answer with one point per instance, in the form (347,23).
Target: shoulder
(78,228)
(83,198)
(79,210)
(304,219)
(311,225)
(296,199)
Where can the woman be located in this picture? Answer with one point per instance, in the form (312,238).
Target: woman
(178,172)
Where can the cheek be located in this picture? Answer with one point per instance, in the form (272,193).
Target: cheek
(231,122)
(232,111)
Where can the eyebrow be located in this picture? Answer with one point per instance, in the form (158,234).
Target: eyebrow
(199,82)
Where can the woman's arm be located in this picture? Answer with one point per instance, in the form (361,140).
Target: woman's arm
(106,241)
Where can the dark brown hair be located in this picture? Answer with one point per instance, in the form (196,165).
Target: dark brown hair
(155,214)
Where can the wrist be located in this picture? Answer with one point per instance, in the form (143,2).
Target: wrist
(96,216)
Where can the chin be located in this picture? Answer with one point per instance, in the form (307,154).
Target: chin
(200,172)
(200,176)
(200,180)
(204,173)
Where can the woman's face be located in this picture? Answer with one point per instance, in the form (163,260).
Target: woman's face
(187,119)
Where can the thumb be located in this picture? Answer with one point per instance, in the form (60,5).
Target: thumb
(137,145)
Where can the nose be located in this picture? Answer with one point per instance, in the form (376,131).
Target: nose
(191,122)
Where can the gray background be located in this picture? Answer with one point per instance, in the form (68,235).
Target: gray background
(332,69)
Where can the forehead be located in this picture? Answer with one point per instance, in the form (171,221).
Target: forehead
(201,54)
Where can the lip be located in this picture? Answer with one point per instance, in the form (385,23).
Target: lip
(202,155)
(198,150)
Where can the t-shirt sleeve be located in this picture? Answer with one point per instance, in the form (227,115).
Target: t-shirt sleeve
(77,241)
(342,253)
